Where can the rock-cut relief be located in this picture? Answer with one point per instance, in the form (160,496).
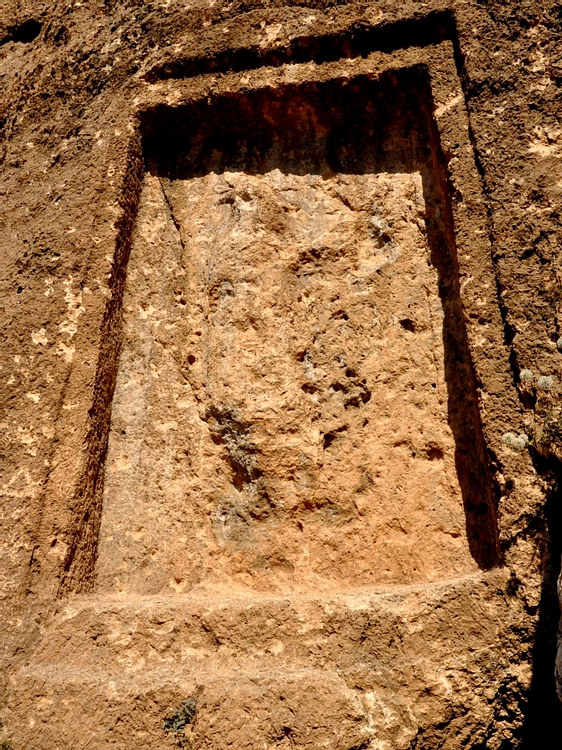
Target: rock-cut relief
(280,416)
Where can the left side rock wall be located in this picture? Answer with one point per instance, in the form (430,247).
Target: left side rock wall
(64,157)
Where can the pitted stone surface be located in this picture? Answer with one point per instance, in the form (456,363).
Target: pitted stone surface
(280,417)
(204,592)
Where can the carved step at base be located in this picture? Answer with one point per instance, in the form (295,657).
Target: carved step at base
(258,668)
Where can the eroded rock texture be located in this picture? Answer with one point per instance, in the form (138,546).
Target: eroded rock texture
(281,477)
(281,480)
(281,375)
(280,416)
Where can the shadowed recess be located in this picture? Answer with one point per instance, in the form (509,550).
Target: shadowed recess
(362,126)
(351,127)
(358,41)
(24,32)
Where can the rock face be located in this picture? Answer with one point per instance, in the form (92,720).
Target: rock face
(281,463)
(280,415)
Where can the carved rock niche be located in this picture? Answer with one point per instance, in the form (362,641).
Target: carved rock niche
(294,408)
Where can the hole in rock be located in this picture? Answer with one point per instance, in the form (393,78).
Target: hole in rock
(435,453)
(286,193)
(25,32)
(408,325)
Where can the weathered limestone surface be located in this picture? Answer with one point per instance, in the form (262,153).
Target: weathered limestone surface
(333,671)
(280,414)
(277,281)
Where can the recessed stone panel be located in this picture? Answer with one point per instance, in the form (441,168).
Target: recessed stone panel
(286,496)
(280,418)
(294,408)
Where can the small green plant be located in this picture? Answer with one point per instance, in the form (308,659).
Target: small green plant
(516,442)
(4,744)
(544,422)
(178,720)
(545,382)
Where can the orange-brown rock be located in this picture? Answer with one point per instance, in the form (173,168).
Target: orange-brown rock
(281,375)
(280,414)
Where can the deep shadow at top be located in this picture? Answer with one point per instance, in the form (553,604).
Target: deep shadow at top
(353,126)
(359,40)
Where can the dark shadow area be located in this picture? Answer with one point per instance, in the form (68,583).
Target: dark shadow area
(357,41)
(543,717)
(79,564)
(354,127)
(24,32)
(543,714)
